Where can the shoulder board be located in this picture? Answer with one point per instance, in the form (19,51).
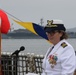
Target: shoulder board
(64,45)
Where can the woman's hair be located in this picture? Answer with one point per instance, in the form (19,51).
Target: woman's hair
(64,34)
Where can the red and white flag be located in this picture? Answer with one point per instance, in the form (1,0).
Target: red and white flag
(4,22)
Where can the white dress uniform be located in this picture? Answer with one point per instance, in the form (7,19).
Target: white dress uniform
(60,61)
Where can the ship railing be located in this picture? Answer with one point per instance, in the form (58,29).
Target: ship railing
(21,65)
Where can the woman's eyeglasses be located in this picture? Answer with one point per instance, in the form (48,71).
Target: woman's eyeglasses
(51,33)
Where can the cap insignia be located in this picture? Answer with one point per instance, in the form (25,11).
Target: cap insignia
(50,24)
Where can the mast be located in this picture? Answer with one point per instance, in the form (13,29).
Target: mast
(0,48)
(11,28)
(41,21)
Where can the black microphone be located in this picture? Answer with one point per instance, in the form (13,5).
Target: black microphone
(22,48)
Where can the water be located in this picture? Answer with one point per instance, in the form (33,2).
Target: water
(37,46)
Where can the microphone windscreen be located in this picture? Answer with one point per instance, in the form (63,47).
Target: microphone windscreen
(22,48)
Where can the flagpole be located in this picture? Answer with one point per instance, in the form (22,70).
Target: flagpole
(0,46)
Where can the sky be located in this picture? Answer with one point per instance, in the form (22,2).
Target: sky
(34,10)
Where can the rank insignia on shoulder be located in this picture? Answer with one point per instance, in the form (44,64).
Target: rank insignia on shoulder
(63,44)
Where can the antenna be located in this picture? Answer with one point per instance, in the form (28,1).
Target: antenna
(41,21)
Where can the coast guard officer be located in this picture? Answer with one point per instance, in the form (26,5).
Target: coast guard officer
(60,57)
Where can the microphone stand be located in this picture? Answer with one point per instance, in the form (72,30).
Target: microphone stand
(16,53)
(15,59)
(16,62)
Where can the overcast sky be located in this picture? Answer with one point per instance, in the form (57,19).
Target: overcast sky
(34,10)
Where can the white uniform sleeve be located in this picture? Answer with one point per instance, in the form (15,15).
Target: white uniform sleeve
(68,61)
(32,74)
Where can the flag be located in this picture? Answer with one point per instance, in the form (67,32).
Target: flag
(4,22)
(34,28)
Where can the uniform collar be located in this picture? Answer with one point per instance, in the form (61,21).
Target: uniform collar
(57,46)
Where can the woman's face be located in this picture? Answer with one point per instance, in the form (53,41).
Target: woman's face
(54,36)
